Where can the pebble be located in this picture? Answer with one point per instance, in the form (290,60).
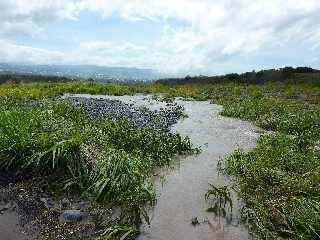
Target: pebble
(71,216)
(64,203)
(159,120)
(84,205)
(47,202)
(5,207)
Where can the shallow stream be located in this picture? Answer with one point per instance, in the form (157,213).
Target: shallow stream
(180,197)
(181,189)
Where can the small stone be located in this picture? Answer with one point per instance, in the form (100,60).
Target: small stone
(47,202)
(5,207)
(71,216)
(195,221)
(64,202)
(95,216)
(84,205)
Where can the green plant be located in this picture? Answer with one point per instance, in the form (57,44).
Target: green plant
(41,140)
(279,182)
(119,232)
(220,198)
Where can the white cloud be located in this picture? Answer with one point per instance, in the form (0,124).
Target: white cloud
(31,16)
(18,53)
(93,53)
(214,33)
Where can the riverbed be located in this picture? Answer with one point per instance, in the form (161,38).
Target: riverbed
(181,188)
(180,197)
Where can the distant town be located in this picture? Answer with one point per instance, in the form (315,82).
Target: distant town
(100,73)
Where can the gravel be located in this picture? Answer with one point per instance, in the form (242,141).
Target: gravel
(41,215)
(140,117)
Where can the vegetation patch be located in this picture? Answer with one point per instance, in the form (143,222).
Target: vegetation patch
(220,198)
(278,181)
(107,161)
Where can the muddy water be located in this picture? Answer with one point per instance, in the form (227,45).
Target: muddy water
(9,227)
(180,194)
(181,197)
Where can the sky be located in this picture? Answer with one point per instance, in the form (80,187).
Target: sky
(171,36)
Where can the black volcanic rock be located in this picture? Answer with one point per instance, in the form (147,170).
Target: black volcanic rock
(116,110)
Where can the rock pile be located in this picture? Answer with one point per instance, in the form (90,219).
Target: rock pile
(140,117)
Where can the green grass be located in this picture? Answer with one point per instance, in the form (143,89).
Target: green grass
(110,161)
(35,91)
(278,181)
(40,140)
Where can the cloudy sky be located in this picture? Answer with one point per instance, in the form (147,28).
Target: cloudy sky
(173,36)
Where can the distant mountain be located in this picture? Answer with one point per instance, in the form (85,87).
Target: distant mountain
(263,76)
(99,73)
